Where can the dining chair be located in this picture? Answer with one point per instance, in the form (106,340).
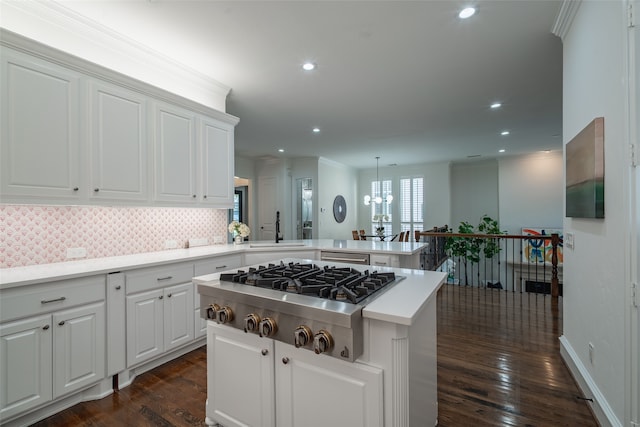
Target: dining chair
(401,239)
(363,235)
(416,234)
(355,235)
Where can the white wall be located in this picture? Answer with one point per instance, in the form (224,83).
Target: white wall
(474,192)
(336,179)
(595,271)
(531,191)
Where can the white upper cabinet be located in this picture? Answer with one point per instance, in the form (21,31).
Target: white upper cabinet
(76,133)
(118,148)
(216,144)
(174,154)
(40,129)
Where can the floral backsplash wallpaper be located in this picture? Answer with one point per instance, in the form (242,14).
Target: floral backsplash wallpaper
(32,234)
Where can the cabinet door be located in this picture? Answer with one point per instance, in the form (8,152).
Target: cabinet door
(174,145)
(25,365)
(118,144)
(144,326)
(306,382)
(240,378)
(178,315)
(78,348)
(216,144)
(40,129)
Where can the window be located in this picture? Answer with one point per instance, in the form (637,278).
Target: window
(411,204)
(381,211)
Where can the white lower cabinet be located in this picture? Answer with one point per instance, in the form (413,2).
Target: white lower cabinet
(253,381)
(25,365)
(49,356)
(158,321)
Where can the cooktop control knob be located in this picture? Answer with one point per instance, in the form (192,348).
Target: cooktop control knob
(211,311)
(251,322)
(322,342)
(302,336)
(224,315)
(267,327)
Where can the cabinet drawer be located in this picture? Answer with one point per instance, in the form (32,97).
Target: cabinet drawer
(46,297)
(217,264)
(158,277)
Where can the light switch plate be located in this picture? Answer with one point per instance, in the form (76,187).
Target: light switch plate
(568,240)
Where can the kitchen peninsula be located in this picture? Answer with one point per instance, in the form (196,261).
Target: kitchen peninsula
(94,323)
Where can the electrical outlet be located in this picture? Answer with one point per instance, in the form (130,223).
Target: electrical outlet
(199,241)
(170,244)
(218,239)
(76,253)
(591,353)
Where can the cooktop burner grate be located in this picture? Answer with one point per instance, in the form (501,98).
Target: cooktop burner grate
(336,283)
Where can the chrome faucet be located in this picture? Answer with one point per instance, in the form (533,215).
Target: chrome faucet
(277,226)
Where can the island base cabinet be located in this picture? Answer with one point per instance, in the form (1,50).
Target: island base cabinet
(253,381)
(316,390)
(25,365)
(240,378)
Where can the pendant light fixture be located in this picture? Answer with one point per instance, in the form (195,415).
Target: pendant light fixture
(378,199)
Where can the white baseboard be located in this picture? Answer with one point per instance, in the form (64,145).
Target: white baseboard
(600,407)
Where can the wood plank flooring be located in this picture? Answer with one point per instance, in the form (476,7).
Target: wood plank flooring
(498,365)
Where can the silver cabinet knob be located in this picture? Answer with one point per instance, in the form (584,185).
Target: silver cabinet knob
(285,360)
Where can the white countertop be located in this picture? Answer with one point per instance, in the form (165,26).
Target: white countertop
(20,276)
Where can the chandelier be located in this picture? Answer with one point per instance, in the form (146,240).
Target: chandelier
(378,199)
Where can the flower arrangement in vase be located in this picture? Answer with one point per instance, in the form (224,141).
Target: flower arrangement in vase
(240,231)
(380,227)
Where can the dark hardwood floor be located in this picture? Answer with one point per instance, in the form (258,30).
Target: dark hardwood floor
(498,365)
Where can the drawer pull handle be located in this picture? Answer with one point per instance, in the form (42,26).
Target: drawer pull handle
(47,301)
(118,287)
(75,188)
(61,323)
(45,327)
(357,260)
(165,278)
(221,267)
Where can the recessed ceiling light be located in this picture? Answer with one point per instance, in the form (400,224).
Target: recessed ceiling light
(467,12)
(502,150)
(504,132)
(316,130)
(281,150)
(496,105)
(308,66)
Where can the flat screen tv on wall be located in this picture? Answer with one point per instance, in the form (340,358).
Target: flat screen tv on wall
(585,172)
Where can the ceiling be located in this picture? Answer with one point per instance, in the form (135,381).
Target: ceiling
(404,80)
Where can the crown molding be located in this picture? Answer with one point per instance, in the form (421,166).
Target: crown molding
(567,12)
(59,27)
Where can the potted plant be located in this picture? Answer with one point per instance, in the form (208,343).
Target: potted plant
(469,249)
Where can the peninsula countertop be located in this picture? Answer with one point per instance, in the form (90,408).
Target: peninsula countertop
(20,276)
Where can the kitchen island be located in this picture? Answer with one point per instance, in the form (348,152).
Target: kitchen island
(391,379)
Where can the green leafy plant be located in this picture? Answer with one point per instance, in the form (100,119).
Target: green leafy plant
(469,249)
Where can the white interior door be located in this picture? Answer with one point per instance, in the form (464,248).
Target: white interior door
(267,195)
